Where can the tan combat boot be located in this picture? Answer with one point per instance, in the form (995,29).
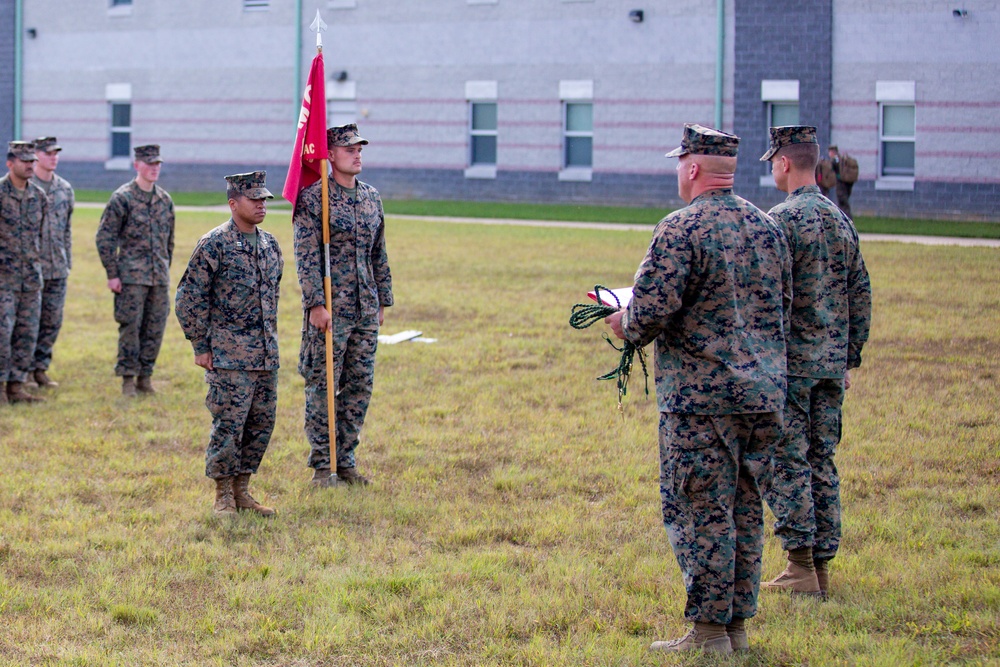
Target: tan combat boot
(799,576)
(128,386)
(710,637)
(737,634)
(43,380)
(145,385)
(244,501)
(325,479)
(823,575)
(17,394)
(225,503)
(352,476)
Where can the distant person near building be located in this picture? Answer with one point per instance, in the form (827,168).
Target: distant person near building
(227,305)
(136,243)
(846,170)
(830,319)
(56,253)
(712,292)
(362,290)
(23,208)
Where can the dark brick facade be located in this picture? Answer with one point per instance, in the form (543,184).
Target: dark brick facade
(6,70)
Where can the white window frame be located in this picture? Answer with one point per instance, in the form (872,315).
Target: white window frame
(481,92)
(576,92)
(775,92)
(256,5)
(342,4)
(118,93)
(117,8)
(341,103)
(894,94)
(481,2)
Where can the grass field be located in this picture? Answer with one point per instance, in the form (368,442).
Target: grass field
(586,213)
(514,515)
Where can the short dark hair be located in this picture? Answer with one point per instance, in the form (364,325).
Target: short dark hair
(232,193)
(10,155)
(803,157)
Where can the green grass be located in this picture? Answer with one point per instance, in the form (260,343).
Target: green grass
(514,517)
(583,213)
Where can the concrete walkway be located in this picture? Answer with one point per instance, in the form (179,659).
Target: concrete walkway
(611,226)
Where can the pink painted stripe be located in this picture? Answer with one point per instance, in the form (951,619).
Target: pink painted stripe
(142,100)
(655,102)
(418,121)
(530,147)
(947,104)
(221,140)
(151,121)
(854,128)
(415,100)
(957,179)
(978,155)
(639,125)
(530,123)
(959,129)
(423,144)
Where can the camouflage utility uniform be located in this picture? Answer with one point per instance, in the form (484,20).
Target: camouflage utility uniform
(830,318)
(711,292)
(57,260)
(136,243)
(361,283)
(227,304)
(22,216)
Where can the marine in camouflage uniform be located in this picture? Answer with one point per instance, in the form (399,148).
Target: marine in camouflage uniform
(136,243)
(711,292)
(227,306)
(830,319)
(361,289)
(23,208)
(56,253)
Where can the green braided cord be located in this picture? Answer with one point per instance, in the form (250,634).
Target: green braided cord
(585,314)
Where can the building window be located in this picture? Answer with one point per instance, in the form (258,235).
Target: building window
(483,133)
(781,107)
(121,129)
(120,8)
(579,135)
(119,3)
(341,101)
(577,159)
(256,5)
(897,139)
(782,113)
(481,97)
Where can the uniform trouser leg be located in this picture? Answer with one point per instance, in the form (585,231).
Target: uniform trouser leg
(804,493)
(8,313)
(243,406)
(141,312)
(827,402)
(50,322)
(354,346)
(24,335)
(844,197)
(154,322)
(710,470)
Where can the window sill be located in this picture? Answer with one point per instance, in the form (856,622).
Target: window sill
(120,10)
(342,4)
(898,183)
(580,174)
(118,164)
(485,171)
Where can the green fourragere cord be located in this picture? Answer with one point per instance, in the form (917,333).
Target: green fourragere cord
(585,314)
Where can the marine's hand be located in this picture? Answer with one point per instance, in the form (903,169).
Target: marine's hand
(615,322)
(204,360)
(319,317)
(847,380)
(115,285)
(381,315)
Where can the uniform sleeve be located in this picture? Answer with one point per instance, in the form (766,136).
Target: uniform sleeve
(194,296)
(109,232)
(309,247)
(170,240)
(859,295)
(68,239)
(659,285)
(380,263)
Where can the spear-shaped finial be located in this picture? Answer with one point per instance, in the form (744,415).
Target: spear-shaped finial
(318,26)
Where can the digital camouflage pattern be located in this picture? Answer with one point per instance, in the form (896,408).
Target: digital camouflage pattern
(830,321)
(711,469)
(786,135)
(57,234)
(712,292)
(136,236)
(250,184)
(804,493)
(141,312)
(22,150)
(47,144)
(344,135)
(22,215)
(243,406)
(150,153)
(701,140)
(227,299)
(56,256)
(361,283)
(359,265)
(831,308)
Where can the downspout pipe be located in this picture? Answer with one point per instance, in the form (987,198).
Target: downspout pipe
(18,64)
(296,99)
(720,54)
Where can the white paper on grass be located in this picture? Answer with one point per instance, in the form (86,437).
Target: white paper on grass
(400,337)
(624,295)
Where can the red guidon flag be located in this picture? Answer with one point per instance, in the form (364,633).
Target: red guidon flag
(310,139)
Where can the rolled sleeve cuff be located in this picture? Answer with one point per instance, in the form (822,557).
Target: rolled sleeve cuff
(201,346)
